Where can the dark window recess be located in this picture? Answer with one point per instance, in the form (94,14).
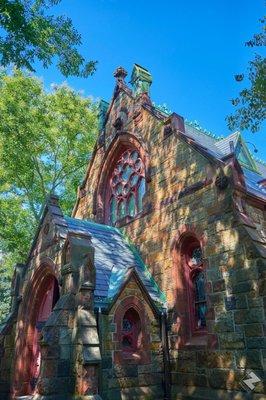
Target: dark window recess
(131,331)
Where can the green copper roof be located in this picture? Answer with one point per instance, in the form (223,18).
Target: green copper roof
(141,79)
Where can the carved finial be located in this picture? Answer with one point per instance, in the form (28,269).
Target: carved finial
(120,74)
(52,199)
(141,80)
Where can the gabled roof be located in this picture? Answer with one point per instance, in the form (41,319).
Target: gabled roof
(206,143)
(252,180)
(254,171)
(114,256)
(224,144)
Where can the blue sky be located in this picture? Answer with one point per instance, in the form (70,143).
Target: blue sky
(192,48)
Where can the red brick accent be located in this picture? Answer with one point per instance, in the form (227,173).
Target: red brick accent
(24,347)
(142,354)
(188,230)
(184,323)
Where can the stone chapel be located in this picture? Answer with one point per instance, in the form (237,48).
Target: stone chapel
(154,288)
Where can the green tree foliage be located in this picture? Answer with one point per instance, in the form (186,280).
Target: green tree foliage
(45,142)
(30,34)
(251,103)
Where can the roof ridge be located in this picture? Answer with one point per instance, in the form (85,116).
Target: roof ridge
(258,160)
(236,133)
(195,125)
(87,221)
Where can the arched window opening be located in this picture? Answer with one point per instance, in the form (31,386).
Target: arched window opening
(196,286)
(126,186)
(131,331)
(46,305)
(200,300)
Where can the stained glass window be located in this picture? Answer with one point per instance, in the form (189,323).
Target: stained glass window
(127,186)
(131,205)
(131,332)
(200,299)
(196,256)
(121,209)
(141,192)
(127,325)
(113,209)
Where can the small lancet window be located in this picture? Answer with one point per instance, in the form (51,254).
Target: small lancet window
(200,300)
(127,186)
(131,331)
(193,264)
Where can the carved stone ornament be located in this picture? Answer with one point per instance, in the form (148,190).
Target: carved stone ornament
(167,130)
(120,74)
(101,140)
(118,124)
(136,111)
(222,182)
(46,228)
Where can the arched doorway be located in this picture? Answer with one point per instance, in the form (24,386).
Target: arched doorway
(45,308)
(40,297)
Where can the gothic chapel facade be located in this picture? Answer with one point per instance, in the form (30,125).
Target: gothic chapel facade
(155,287)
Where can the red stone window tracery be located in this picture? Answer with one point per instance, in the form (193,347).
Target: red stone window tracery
(126,186)
(131,331)
(132,336)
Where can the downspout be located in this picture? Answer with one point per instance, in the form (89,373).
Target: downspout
(100,334)
(166,357)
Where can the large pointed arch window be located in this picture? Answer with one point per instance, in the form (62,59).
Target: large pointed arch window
(127,186)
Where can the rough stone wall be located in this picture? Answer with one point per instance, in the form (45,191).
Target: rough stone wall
(182,195)
(257,215)
(69,343)
(13,333)
(130,379)
(6,360)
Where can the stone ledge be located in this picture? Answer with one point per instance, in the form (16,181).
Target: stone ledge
(197,393)
(60,397)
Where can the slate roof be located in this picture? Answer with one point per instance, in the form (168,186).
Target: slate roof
(220,148)
(252,180)
(114,255)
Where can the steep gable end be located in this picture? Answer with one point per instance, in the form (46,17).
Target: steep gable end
(244,157)
(51,227)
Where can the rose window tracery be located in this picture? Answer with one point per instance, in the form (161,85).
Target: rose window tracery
(127,186)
